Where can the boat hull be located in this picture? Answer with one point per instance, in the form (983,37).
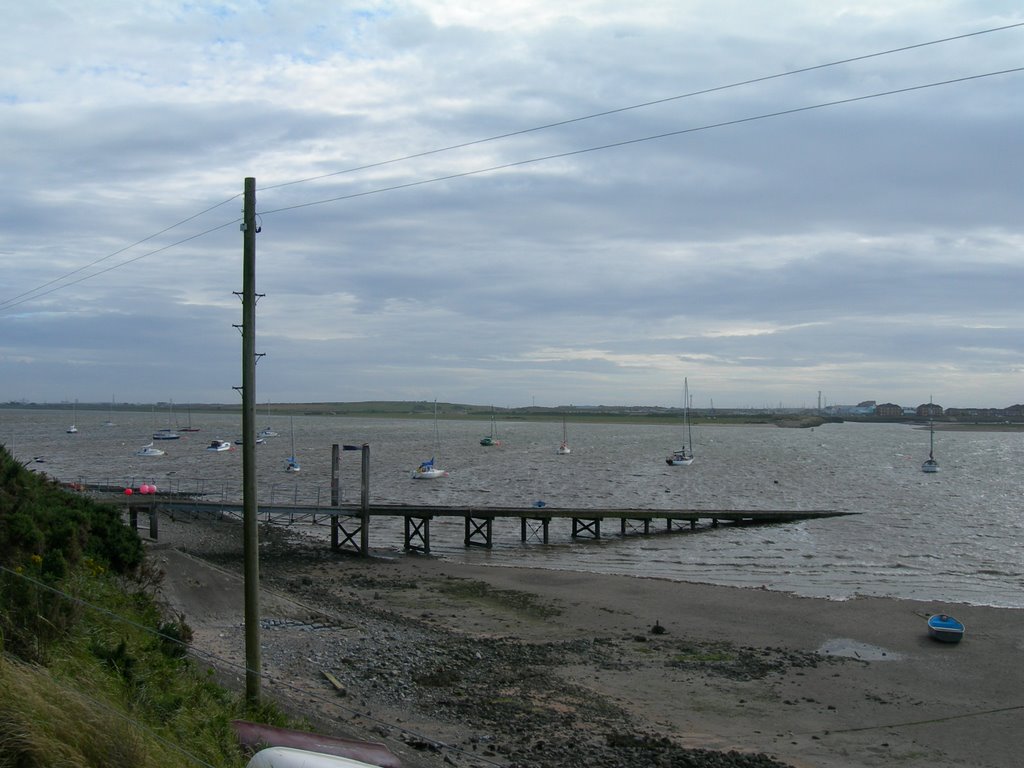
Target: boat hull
(945,628)
(428,474)
(679,461)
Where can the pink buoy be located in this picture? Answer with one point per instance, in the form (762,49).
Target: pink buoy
(127,491)
(152,489)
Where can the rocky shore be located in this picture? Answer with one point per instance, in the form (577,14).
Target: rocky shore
(453,665)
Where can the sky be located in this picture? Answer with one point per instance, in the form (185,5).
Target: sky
(515,202)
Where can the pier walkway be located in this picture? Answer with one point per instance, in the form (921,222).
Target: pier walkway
(351,523)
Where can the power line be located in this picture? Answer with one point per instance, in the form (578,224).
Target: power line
(11,303)
(35,292)
(641,105)
(628,142)
(5,302)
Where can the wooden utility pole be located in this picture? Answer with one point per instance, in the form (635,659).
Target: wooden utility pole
(250,509)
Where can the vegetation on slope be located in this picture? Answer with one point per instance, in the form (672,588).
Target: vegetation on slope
(91,673)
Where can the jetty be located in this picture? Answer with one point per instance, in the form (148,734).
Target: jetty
(351,523)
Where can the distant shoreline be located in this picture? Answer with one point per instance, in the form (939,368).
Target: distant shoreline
(600,414)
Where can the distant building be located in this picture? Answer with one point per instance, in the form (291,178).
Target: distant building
(889,410)
(849,410)
(929,410)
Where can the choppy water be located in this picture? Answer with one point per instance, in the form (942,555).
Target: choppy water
(955,536)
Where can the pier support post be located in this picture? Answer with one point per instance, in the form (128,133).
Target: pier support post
(345,528)
(476,527)
(364,539)
(633,526)
(335,492)
(531,524)
(417,529)
(153,532)
(581,526)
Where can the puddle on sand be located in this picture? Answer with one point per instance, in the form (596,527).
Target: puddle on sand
(851,648)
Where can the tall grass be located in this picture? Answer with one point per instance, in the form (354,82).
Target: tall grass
(92,673)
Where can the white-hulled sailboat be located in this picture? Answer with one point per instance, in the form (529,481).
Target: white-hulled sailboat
(563,447)
(292,463)
(684,456)
(428,470)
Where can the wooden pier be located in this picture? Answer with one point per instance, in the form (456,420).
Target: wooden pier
(350,523)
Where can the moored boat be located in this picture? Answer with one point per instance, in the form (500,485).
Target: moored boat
(491,439)
(219,445)
(945,628)
(684,457)
(149,450)
(930,465)
(427,470)
(563,447)
(291,464)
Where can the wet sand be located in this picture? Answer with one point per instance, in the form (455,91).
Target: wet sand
(809,682)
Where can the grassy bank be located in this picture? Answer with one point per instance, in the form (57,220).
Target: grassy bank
(92,673)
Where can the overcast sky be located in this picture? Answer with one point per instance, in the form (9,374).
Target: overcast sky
(573,202)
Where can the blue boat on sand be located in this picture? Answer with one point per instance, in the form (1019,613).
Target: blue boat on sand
(945,628)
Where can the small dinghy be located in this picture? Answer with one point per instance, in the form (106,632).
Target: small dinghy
(945,628)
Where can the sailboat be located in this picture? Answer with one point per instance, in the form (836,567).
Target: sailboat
(74,412)
(167,433)
(563,448)
(428,470)
(684,457)
(190,428)
(267,431)
(491,439)
(930,464)
(110,420)
(292,463)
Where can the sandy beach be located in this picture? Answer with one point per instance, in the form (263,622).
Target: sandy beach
(491,665)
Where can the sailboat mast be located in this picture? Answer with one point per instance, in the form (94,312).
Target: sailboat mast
(686,413)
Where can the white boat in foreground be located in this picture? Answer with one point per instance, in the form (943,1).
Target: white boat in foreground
(149,450)
(219,445)
(289,757)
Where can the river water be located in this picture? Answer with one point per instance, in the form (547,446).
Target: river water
(955,536)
